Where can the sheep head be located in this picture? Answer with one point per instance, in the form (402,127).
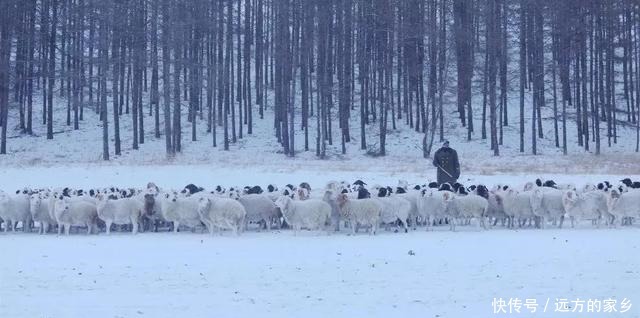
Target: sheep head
(302,194)
(35,201)
(61,205)
(204,204)
(536,200)
(569,199)
(149,203)
(342,199)
(530,185)
(283,203)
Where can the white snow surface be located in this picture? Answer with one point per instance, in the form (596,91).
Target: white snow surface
(313,275)
(317,174)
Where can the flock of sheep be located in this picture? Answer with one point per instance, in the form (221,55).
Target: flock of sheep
(354,205)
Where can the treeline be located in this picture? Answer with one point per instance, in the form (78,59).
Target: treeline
(327,64)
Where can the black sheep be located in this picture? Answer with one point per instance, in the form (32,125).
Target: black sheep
(363,193)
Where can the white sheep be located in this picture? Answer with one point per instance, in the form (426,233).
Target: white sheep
(431,206)
(179,210)
(521,205)
(221,213)
(465,207)
(259,208)
(312,214)
(15,208)
(412,196)
(363,212)
(590,205)
(394,208)
(551,207)
(330,197)
(495,209)
(40,211)
(151,214)
(74,212)
(623,205)
(121,211)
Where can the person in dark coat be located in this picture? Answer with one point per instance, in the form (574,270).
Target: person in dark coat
(446,161)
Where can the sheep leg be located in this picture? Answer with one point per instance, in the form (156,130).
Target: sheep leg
(134,228)
(561,222)
(108,226)
(67,229)
(336,220)
(176,225)
(89,228)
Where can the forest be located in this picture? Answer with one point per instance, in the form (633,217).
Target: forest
(328,72)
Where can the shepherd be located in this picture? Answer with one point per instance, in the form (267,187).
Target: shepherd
(446,161)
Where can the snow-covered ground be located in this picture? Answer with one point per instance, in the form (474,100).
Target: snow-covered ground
(208,176)
(419,274)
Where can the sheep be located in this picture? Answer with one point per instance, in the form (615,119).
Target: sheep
(301,194)
(74,212)
(121,211)
(150,213)
(179,210)
(192,189)
(588,188)
(521,205)
(259,208)
(586,206)
(330,197)
(623,205)
(412,197)
(362,212)
(495,208)
(311,214)
(431,205)
(40,208)
(305,185)
(630,184)
(394,209)
(15,208)
(551,206)
(221,213)
(359,183)
(466,207)
(252,190)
